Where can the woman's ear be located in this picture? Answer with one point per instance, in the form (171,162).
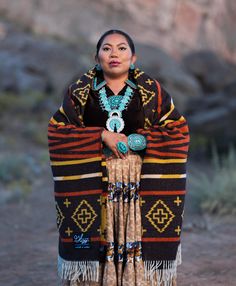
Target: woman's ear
(96,59)
(134,59)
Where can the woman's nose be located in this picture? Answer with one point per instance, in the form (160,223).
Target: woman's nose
(113,53)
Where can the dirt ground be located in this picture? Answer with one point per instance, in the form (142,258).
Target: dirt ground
(28,240)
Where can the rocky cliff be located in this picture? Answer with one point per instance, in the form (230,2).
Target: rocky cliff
(177,26)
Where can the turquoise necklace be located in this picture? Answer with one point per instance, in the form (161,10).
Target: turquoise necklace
(114,107)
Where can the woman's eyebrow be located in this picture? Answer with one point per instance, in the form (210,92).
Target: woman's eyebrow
(112,45)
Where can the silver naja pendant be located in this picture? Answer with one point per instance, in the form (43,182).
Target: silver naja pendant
(115,122)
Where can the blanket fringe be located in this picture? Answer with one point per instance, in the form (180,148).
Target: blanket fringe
(78,270)
(161,273)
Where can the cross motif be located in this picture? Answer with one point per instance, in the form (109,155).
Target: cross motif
(160,216)
(178,230)
(142,202)
(79,81)
(150,82)
(69,231)
(67,202)
(84,216)
(143,230)
(178,201)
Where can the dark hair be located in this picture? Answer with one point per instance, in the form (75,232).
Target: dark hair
(110,32)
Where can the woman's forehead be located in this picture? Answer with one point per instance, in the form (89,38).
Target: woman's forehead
(116,39)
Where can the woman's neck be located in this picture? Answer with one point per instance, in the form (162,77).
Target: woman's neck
(115,84)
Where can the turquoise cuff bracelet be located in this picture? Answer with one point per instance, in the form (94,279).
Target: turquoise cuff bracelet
(137,142)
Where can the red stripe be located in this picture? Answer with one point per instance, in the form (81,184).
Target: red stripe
(159,98)
(183,148)
(74,156)
(160,135)
(166,154)
(81,193)
(168,143)
(72,144)
(151,193)
(57,128)
(78,135)
(160,239)
(91,147)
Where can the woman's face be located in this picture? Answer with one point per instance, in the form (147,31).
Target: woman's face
(115,56)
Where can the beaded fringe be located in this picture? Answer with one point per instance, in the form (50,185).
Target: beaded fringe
(78,270)
(162,273)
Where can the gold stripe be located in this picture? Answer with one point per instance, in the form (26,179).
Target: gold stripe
(75,162)
(104,179)
(104,164)
(166,122)
(52,120)
(163,176)
(78,177)
(164,161)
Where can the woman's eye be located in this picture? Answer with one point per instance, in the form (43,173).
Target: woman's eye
(105,49)
(122,48)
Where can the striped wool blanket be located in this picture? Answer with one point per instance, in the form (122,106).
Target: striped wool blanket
(79,172)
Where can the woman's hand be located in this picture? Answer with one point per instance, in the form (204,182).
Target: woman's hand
(111,139)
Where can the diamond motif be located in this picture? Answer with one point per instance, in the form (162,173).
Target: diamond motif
(60,216)
(84,216)
(160,216)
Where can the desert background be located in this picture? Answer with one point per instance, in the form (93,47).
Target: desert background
(190,47)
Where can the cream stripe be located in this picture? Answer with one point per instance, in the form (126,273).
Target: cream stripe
(75,162)
(78,177)
(63,112)
(172,107)
(163,176)
(164,161)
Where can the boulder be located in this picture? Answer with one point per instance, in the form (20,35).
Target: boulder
(214,116)
(212,72)
(182,86)
(36,63)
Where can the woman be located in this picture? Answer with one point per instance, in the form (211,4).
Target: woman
(118,149)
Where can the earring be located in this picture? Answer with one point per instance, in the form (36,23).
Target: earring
(98,67)
(132,67)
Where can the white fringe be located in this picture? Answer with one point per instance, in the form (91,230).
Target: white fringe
(167,272)
(78,270)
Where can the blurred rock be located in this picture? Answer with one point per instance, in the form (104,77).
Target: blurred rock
(211,71)
(177,26)
(30,62)
(215,116)
(182,86)
(19,75)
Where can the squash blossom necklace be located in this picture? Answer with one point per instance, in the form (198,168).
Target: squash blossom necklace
(114,105)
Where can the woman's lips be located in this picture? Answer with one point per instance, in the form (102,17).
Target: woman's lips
(114,64)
